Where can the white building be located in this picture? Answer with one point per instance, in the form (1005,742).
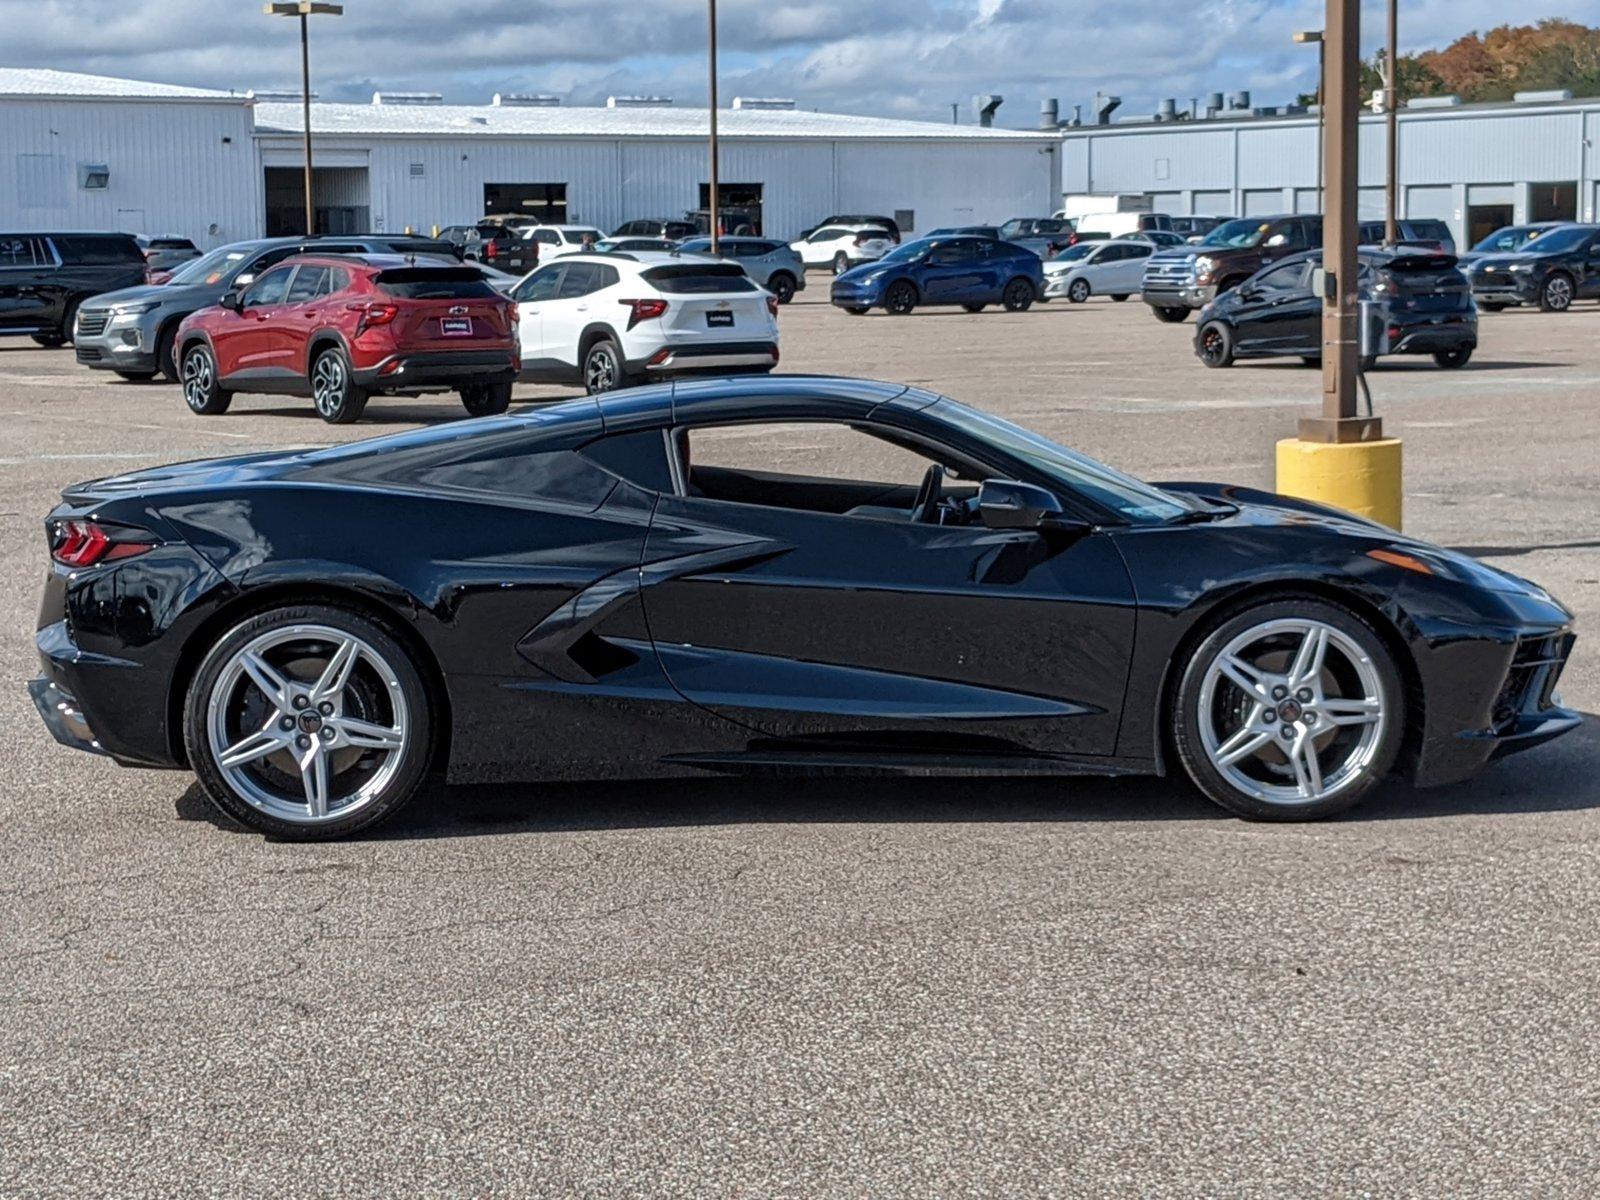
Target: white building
(89,152)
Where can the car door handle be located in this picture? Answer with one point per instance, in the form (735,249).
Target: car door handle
(583,308)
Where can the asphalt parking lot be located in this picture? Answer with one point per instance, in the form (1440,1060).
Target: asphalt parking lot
(833,988)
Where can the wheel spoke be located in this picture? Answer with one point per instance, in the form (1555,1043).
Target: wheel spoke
(1309,658)
(1245,677)
(314,776)
(369,736)
(1307,767)
(267,678)
(336,675)
(253,746)
(1247,741)
(1340,710)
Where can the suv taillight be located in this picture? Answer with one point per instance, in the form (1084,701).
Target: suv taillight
(772,305)
(863,238)
(78,543)
(374,314)
(644,310)
(491,250)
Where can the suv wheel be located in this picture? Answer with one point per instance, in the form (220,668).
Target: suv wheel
(62,336)
(782,287)
(1290,710)
(1556,295)
(1170,315)
(602,368)
(1079,290)
(486,399)
(901,297)
(1451,359)
(841,263)
(166,353)
(1216,345)
(338,399)
(308,722)
(202,389)
(1018,296)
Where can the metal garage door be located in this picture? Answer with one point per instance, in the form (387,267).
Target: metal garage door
(1213,204)
(1263,202)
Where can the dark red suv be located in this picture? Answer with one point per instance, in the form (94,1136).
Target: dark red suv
(339,328)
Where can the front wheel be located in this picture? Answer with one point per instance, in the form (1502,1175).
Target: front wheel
(202,387)
(1289,711)
(602,368)
(486,399)
(338,399)
(1452,359)
(135,376)
(1492,305)
(901,298)
(1169,315)
(841,263)
(856,310)
(1078,291)
(1120,299)
(1556,295)
(974,308)
(1018,296)
(308,722)
(1216,345)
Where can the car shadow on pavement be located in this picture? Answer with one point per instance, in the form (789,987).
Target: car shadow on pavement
(1555,778)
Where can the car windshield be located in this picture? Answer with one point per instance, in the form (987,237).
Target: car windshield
(1514,237)
(210,268)
(1131,498)
(1074,253)
(1558,240)
(909,252)
(1240,234)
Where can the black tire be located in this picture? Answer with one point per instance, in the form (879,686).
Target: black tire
(1312,360)
(403,782)
(135,376)
(901,297)
(1216,345)
(856,310)
(1452,360)
(336,396)
(974,308)
(486,399)
(50,341)
(603,368)
(1120,299)
(1018,296)
(781,286)
(1492,306)
(166,353)
(202,388)
(1079,290)
(1185,714)
(1557,293)
(841,263)
(1169,315)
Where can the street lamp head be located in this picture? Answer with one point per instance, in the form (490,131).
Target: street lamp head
(302,8)
(1308,37)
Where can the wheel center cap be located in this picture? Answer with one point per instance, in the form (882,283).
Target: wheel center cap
(1290,711)
(310,721)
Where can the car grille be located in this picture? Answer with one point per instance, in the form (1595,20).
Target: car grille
(1171,276)
(87,354)
(1535,670)
(93,324)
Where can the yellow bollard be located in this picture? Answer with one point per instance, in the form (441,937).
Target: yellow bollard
(1359,477)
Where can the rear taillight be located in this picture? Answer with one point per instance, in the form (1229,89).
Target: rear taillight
(863,238)
(374,314)
(79,543)
(513,313)
(491,251)
(772,305)
(644,310)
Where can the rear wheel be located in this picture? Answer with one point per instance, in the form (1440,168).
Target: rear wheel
(1170,315)
(901,298)
(166,353)
(202,388)
(1121,298)
(308,722)
(486,399)
(1216,345)
(856,310)
(338,399)
(602,368)
(1018,296)
(1557,293)
(1288,711)
(841,263)
(1451,359)
(782,287)
(1492,305)
(1078,291)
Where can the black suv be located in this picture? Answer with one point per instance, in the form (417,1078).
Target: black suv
(1416,302)
(656,227)
(44,277)
(1552,270)
(494,244)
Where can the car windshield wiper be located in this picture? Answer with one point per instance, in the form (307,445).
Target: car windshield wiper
(1215,511)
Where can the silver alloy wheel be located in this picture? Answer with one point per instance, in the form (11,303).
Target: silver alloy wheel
(599,371)
(1292,712)
(1079,291)
(1558,293)
(302,747)
(328,384)
(198,376)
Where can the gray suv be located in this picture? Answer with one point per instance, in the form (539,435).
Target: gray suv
(130,331)
(775,265)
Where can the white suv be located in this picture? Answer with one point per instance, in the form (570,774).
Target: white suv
(843,246)
(611,320)
(557,240)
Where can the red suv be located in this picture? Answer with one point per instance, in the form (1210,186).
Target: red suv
(338,328)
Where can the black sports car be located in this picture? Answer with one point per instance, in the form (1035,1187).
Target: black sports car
(634,586)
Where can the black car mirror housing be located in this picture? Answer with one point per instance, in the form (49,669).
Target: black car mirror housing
(233,301)
(1010,504)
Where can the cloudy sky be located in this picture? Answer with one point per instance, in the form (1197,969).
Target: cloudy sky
(910,58)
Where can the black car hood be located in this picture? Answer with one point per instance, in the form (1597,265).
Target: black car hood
(1269,508)
(199,294)
(1505,260)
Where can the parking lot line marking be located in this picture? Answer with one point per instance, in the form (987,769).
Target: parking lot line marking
(34,458)
(179,429)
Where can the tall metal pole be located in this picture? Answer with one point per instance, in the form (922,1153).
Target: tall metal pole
(1322,116)
(1391,98)
(1341,347)
(715,206)
(305,101)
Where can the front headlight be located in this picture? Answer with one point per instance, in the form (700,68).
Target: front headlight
(1204,265)
(1446,564)
(134,310)
(1522,266)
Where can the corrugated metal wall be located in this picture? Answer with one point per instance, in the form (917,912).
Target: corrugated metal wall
(170,169)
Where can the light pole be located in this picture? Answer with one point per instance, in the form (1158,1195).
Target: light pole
(1391,100)
(304,9)
(715,214)
(1307,38)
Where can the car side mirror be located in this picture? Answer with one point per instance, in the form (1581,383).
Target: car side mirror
(233,301)
(1009,504)
(244,281)
(1277,240)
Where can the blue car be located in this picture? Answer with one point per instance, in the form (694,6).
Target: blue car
(970,271)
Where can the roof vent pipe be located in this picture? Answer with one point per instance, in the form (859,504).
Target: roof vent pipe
(1104,106)
(1240,101)
(764,103)
(1213,104)
(1049,114)
(407,98)
(986,105)
(526,100)
(1168,111)
(638,101)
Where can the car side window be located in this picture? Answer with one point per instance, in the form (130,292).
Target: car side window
(952,253)
(546,237)
(579,281)
(264,261)
(337,280)
(308,284)
(1282,279)
(269,289)
(825,235)
(543,284)
(17,252)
